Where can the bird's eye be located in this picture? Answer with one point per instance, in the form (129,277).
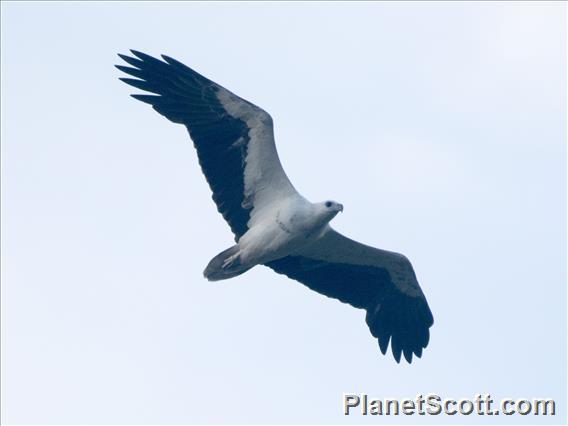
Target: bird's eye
(328,204)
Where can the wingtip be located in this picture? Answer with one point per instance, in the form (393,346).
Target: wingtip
(147,99)
(396,349)
(172,61)
(383,345)
(123,79)
(137,53)
(426,338)
(144,57)
(122,68)
(123,56)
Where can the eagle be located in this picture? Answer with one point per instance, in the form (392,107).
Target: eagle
(272,223)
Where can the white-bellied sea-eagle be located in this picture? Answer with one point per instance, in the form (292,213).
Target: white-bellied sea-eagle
(273,224)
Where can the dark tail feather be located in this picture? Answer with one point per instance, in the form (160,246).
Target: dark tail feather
(215,271)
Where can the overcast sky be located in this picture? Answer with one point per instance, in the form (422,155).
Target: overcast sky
(441,127)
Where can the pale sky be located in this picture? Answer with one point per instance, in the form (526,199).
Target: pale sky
(441,127)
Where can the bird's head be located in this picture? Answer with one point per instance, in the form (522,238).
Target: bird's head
(328,209)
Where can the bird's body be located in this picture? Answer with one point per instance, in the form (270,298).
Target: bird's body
(285,227)
(273,224)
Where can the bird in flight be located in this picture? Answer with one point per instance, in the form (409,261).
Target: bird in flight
(273,224)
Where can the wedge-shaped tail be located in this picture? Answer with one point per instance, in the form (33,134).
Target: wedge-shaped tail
(225,265)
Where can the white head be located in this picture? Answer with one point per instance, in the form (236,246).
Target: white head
(328,209)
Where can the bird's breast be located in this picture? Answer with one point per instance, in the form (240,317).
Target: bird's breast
(286,230)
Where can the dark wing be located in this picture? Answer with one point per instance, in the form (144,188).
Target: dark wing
(381,282)
(234,138)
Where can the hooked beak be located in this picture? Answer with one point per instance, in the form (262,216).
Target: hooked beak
(341,207)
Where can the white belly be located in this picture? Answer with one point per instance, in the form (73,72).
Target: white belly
(285,229)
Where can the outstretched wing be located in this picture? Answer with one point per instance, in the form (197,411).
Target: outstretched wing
(381,282)
(234,138)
